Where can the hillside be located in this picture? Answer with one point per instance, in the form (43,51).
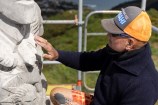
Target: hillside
(51,7)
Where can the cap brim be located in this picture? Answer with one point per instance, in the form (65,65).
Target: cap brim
(110,26)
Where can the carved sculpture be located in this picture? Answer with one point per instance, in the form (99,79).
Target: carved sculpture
(21,79)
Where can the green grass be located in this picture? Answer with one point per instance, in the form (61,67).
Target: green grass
(59,74)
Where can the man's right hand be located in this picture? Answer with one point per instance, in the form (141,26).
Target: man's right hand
(52,53)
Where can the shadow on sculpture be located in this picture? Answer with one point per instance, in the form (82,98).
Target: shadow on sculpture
(21,79)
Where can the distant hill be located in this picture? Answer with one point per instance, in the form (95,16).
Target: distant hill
(152,4)
(50,7)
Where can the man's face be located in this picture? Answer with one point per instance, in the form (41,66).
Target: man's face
(117,43)
(17,9)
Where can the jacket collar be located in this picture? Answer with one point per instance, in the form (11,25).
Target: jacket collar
(135,61)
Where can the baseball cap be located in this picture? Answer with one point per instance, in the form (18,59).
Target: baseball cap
(131,20)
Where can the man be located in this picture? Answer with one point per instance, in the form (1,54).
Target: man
(128,75)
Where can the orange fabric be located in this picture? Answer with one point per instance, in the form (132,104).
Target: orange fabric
(81,97)
(140,27)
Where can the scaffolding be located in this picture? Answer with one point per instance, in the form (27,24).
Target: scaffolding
(79,21)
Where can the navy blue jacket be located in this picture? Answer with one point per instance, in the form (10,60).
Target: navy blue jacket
(125,79)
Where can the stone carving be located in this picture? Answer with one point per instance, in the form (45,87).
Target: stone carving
(21,79)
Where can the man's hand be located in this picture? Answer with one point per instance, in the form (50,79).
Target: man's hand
(52,53)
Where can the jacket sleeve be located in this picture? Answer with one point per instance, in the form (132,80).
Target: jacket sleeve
(83,61)
(139,93)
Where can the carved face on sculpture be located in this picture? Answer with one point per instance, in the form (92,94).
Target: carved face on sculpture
(20,11)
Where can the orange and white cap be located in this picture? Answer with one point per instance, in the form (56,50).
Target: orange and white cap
(131,20)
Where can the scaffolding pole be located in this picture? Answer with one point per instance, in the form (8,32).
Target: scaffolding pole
(80,24)
(143,4)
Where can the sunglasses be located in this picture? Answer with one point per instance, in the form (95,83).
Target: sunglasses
(124,35)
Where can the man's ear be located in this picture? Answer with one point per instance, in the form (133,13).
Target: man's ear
(130,44)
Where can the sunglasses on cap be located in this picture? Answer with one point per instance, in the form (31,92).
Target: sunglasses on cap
(120,35)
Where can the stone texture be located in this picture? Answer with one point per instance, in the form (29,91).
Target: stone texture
(21,79)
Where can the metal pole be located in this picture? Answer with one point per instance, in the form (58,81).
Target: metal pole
(155,29)
(59,22)
(86,24)
(80,10)
(143,5)
(50,62)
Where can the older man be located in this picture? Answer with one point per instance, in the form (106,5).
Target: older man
(127,72)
